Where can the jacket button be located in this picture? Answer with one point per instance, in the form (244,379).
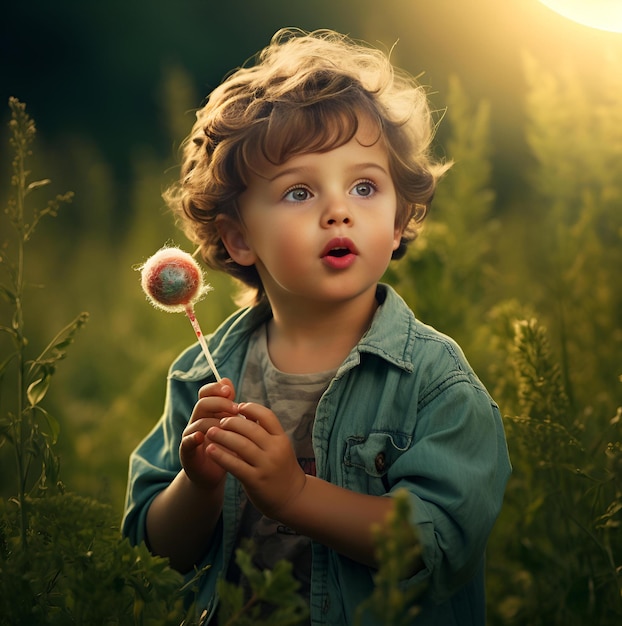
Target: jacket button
(380,462)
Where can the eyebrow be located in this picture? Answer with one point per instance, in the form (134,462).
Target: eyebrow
(302,169)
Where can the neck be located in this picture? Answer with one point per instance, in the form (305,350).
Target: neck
(304,338)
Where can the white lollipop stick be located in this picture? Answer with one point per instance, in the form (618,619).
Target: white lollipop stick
(199,333)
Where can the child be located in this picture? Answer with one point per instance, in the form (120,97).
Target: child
(303,176)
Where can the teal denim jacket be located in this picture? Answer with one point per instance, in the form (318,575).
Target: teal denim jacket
(404,410)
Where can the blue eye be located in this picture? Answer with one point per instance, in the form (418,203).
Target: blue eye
(364,189)
(297,194)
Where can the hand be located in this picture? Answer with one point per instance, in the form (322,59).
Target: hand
(215,402)
(258,452)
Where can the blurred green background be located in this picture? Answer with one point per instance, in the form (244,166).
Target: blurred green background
(529,217)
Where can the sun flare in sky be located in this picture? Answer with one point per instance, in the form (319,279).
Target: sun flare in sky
(601,14)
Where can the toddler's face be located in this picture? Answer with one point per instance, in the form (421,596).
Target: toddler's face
(321,226)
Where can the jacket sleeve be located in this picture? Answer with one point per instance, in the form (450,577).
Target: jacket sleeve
(455,472)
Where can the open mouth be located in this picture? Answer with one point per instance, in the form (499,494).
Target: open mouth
(339,247)
(338,252)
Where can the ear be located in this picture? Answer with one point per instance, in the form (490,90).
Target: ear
(232,235)
(397,237)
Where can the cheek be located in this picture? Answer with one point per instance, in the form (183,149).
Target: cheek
(382,240)
(286,253)
(388,239)
(387,232)
(280,241)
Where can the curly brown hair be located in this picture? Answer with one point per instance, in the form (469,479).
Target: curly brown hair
(306,92)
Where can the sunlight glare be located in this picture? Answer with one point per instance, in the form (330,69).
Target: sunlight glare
(601,14)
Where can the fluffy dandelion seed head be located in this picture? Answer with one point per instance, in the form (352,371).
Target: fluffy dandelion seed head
(172,280)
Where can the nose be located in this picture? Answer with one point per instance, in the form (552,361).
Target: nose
(336,213)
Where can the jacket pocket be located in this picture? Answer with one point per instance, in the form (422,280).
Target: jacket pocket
(367,460)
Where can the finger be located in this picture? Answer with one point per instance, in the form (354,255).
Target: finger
(192,441)
(229,461)
(215,407)
(245,442)
(261,415)
(223,388)
(200,425)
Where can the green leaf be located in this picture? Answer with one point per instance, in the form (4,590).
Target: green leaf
(52,422)
(397,550)
(274,599)
(37,389)
(57,348)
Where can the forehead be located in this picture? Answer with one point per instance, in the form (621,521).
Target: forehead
(293,140)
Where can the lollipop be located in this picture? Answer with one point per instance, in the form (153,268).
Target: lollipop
(173,282)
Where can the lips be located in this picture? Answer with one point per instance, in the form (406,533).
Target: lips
(339,253)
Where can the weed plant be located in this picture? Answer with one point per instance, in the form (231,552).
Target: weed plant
(559,541)
(61,557)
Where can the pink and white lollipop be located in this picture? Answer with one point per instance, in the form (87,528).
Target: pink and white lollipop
(173,282)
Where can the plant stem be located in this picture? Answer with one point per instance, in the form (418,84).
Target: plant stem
(21,145)
(249,605)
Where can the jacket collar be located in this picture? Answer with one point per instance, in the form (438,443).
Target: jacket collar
(391,337)
(392,332)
